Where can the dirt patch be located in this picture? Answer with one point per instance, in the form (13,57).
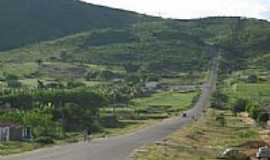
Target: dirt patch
(254,144)
(250,148)
(244,117)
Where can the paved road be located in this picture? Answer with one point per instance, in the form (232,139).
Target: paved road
(120,148)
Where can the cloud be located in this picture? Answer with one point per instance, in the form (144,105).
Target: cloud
(193,8)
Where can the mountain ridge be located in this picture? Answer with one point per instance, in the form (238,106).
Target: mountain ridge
(28,21)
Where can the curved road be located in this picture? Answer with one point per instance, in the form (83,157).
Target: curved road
(120,148)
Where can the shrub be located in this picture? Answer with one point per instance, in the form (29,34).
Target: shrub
(252,79)
(75,84)
(219,100)
(44,140)
(239,106)
(10,76)
(14,84)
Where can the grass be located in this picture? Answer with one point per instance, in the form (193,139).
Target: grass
(235,85)
(173,99)
(17,147)
(259,91)
(249,90)
(19,70)
(201,140)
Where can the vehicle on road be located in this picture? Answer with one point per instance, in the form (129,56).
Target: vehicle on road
(184,115)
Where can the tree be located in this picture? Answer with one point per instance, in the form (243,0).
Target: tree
(239,106)
(39,62)
(219,100)
(131,68)
(40,85)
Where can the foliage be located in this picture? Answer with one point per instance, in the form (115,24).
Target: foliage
(75,84)
(219,100)
(252,79)
(14,83)
(240,106)
(41,121)
(44,140)
(33,23)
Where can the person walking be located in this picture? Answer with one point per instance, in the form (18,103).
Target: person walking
(85,135)
(89,135)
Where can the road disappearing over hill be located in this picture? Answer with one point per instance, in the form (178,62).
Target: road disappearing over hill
(121,147)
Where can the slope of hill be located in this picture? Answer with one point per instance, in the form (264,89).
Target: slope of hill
(28,21)
(67,48)
(159,45)
(156,45)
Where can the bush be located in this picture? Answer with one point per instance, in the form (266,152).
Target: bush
(219,100)
(240,106)
(44,140)
(14,84)
(110,121)
(10,76)
(75,84)
(252,79)
(96,126)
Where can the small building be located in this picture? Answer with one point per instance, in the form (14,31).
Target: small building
(152,85)
(14,132)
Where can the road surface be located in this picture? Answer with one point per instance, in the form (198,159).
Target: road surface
(120,148)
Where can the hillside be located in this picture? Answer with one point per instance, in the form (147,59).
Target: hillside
(67,66)
(28,21)
(150,46)
(157,46)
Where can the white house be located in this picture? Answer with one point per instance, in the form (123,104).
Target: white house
(14,132)
(4,133)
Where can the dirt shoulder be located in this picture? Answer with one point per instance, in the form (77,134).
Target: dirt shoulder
(203,139)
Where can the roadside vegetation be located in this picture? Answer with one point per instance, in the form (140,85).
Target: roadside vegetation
(204,139)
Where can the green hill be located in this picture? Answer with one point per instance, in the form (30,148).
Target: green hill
(27,21)
(68,36)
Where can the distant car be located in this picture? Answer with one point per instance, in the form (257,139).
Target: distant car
(184,115)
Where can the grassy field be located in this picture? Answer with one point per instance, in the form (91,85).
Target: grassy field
(201,140)
(17,147)
(171,99)
(235,86)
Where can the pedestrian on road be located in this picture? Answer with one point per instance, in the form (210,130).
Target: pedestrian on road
(89,135)
(85,135)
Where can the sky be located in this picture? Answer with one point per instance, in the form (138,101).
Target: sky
(186,9)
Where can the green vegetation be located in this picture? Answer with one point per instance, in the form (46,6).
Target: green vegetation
(92,67)
(171,100)
(31,22)
(204,139)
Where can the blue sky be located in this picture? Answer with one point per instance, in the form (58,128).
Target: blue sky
(193,8)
